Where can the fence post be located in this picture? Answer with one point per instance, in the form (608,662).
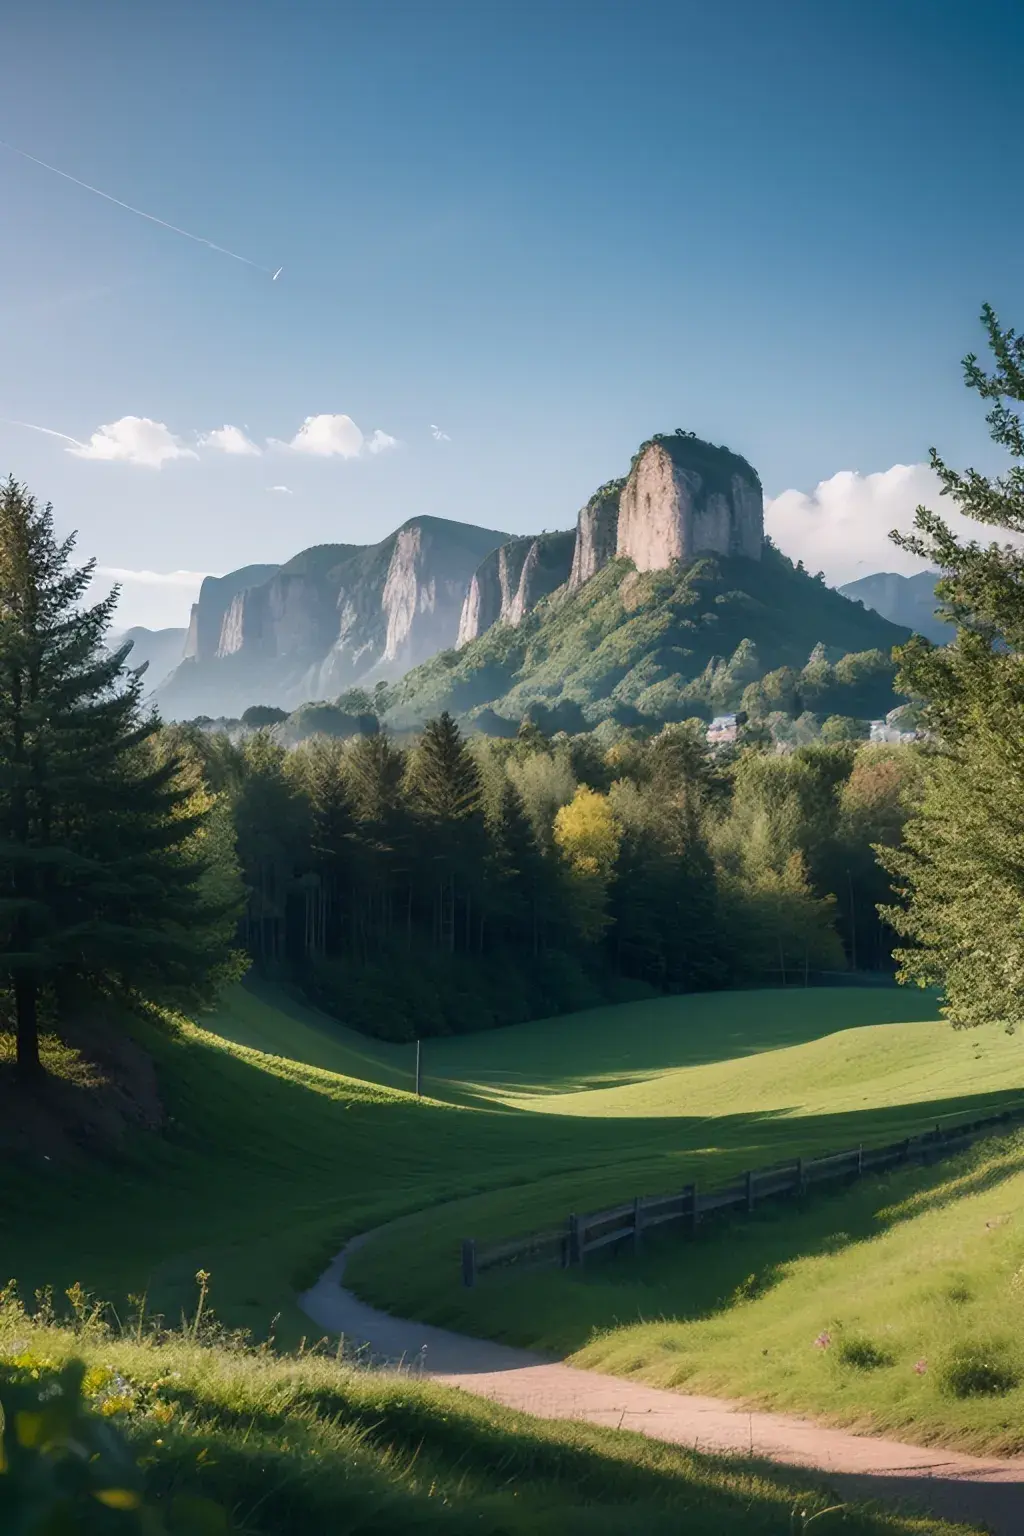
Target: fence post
(750,1189)
(575,1246)
(469,1262)
(637,1221)
(419,1072)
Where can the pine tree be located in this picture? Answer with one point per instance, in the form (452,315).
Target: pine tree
(447,798)
(374,774)
(318,767)
(520,884)
(960,874)
(108,846)
(272,836)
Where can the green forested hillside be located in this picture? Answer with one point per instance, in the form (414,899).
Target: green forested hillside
(656,646)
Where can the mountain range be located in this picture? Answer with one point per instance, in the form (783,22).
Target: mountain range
(907,600)
(630,612)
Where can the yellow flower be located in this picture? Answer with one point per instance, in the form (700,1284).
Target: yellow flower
(118,1498)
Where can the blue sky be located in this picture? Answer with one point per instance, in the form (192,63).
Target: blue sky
(547,228)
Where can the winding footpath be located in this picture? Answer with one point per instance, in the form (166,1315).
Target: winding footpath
(984,1491)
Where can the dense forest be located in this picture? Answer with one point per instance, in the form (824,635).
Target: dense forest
(460,883)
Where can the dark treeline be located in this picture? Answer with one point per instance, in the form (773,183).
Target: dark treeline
(459,883)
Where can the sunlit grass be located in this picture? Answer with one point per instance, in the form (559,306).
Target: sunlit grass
(272,1155)
(293,1445)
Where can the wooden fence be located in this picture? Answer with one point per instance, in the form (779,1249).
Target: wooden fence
(626,1223)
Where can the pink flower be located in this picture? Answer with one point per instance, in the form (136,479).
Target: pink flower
(921,1367)
(823,1340)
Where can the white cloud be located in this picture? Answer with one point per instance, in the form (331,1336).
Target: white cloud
(327,437)
(283,490)
(336,436)
(230,440)
(842,527)
(155,599)
(134,440)
(439,436)
(153,578)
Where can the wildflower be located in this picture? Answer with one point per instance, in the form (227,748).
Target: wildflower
(921,1367)
(823,1340)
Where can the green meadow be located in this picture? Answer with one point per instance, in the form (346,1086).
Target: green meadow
(286,1134)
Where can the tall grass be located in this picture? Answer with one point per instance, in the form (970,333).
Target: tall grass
(287,1445)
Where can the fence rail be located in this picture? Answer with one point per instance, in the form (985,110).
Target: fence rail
(625,1223)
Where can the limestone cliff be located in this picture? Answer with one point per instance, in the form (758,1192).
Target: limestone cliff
(216,595)
(597,531)
(685,497)
(493,588)
(545,569)
(512,580)
(425,586)
(334,616)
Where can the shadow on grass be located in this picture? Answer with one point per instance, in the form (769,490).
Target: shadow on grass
(274,1165)
(585,1478)
(629,1042)
(734,1259)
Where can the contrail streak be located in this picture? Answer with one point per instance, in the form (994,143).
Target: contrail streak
(48,430)
(199,239)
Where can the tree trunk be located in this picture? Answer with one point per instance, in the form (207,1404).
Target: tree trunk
(30,1068)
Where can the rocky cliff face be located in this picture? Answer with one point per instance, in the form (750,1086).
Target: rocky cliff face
(545,569)
(216,596)
(492,589)
(426,583)
(684,498)
(597,532)
(335,616)
(512,581)
(339,615)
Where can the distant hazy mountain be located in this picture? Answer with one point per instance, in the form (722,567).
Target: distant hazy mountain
(162,649)
(334,616)
(907,600)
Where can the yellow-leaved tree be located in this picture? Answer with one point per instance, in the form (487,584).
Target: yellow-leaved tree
(587,836)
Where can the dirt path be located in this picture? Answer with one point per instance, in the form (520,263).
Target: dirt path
(984,1491)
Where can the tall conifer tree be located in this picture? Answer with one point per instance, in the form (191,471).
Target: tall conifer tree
(107,846)
(961,871)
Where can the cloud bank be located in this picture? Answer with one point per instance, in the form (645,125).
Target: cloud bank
(134,440)
(140,440)
(330,436)
(156,599)
(230,440)
(153,578)
(842,527)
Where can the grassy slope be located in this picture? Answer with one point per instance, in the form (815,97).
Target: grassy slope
(272,1159)
(293,1446)
(914,1284)
(626,638)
